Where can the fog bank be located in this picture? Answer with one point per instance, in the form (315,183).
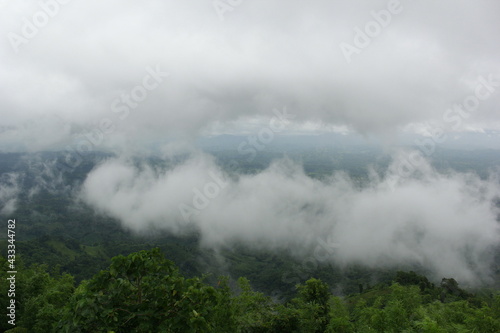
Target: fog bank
(444,222)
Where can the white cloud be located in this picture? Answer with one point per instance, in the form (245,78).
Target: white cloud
(228,76)
(261,57)
(9,190)
(432,220)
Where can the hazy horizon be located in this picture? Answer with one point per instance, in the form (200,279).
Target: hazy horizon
(174,78)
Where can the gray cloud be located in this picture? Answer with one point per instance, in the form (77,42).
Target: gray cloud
(66,84)
(9,191)
(431,220)
(263,55)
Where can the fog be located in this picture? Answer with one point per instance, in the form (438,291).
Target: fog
(443,222)
(71,76)
(9,191)
(129,78)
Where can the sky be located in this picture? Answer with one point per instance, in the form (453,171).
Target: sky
(125,75)
(139,72)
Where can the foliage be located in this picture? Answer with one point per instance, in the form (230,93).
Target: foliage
(144,292)
(252,309)
(40,297)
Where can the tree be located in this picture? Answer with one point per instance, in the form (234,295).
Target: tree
(313,302)
(142,292)
(43,309)
(253,310)
(39,297)
(412,278)
(339,317)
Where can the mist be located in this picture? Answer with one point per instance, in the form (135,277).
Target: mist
(131,78)
(200,70)
(445,222)
(9,191)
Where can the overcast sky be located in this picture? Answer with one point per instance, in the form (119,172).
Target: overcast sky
(68,67)
(125,74)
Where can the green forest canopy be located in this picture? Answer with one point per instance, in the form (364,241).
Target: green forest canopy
(145,292)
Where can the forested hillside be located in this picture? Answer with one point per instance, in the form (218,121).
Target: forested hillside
(144,292)
(66,282)
(250,166)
